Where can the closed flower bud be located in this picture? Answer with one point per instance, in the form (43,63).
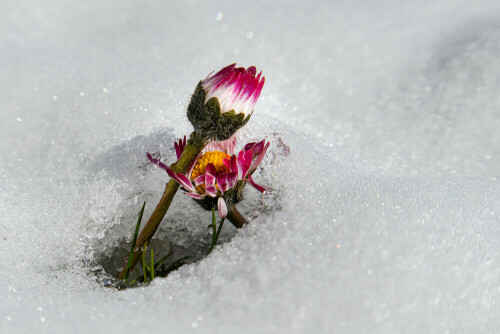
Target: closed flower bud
(222,103)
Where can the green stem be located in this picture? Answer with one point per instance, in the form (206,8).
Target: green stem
(152,272)
(215,231)
(219,229)
(191,151)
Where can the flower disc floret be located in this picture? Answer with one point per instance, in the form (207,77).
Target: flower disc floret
(214,157)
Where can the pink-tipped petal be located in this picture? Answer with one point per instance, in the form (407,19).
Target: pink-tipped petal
(173,175)
(181,179)
(236,88)
(258,76)
(232,179)
(179,147)
(260,188)
(194,195)
(227,163)
(209,179)
(226,146)
(211,191)
(219,76)
(184,181)
(157,162)
(177,150)
(210,173)
(221,207)
(231,145)
(222,182)
(211,169)
(244,162)
(199,180)
(258,159)
(234,164)
(249,146)
(256,148)
(252,70)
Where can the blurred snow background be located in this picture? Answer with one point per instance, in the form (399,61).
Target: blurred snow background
(387,211)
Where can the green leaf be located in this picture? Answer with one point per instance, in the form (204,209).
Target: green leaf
(160,261)
(176,264)
(134,240)
(173,266)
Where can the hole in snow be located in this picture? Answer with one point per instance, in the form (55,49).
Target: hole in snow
(121,178)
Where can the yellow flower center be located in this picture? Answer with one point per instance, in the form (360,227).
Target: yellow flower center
(213,157)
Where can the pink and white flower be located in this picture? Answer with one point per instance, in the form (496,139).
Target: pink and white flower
(236,88)
(217,173)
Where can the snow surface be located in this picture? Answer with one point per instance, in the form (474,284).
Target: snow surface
(383,119)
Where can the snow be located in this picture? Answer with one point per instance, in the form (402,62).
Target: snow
(384,159)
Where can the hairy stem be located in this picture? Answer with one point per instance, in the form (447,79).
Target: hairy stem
(235,217)
(191,151)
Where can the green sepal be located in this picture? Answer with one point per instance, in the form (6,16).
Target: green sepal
(207,119)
